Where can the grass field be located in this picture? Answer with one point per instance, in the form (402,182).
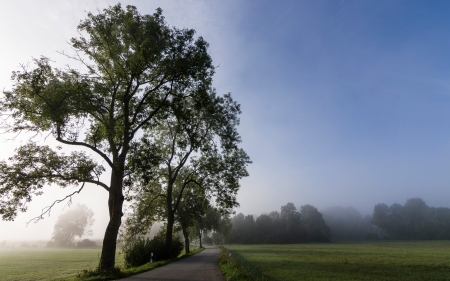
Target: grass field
(42,264)
(47,263)
(419,260)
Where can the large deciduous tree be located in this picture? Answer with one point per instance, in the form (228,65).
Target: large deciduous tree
(76,222)
(197,148)
(137,70)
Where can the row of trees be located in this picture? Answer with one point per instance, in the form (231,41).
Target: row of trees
(144,106)
(413,220)
(287,226)
(347,224)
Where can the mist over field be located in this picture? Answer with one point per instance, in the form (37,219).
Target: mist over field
(345,104)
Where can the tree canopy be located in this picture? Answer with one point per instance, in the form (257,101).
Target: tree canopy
(75,222)
(197,147)
(414,220)
(288,226)
(137,70)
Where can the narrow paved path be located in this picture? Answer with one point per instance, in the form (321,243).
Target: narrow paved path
(199,267)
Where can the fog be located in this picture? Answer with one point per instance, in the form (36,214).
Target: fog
(344,103)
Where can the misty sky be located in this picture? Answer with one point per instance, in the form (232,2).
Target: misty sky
(344,102)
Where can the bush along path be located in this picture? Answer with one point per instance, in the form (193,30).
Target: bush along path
(121,272)
(199,267)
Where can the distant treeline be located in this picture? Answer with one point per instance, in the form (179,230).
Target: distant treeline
(347,224)
(288,226)
(414,220)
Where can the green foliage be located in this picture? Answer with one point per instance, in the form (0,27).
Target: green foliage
(25,174)
(314,224)
(86,243)
(138,73)
(415,220)
(138,251)
(388,261)
(289,226)
(200,162)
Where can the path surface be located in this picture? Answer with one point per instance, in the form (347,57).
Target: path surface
(199,267)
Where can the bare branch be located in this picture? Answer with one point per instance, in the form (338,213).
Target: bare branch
(48,209)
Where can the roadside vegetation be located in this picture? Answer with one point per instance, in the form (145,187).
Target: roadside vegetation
(381,260)
(69,264)
(236,268)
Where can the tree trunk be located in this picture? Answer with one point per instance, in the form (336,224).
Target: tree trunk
(186,239)
(200,238)
(169,233)
(170,220)
(115,204)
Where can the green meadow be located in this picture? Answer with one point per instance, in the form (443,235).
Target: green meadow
(386,260)
(42,264)
(47,263)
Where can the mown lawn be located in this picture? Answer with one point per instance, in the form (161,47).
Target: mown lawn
(386,260)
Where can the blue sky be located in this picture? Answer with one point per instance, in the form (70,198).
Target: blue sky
(344,102)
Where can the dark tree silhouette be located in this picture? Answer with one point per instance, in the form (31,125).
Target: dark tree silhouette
(137,68)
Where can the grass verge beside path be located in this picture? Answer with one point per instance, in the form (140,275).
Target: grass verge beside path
(92,275)
(44,264)
(383,260)
(236,268)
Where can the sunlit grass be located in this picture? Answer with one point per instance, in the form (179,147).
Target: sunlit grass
(428,260)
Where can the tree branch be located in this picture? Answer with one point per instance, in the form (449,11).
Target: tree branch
(48,209)
(93,148)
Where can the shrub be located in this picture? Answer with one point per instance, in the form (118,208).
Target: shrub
(86,243)
(25,245)
(138,251)
(207,240)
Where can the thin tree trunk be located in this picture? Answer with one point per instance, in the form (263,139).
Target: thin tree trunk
(115,204)
(200,238)
(170,220)
(169,232)
(186,239)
